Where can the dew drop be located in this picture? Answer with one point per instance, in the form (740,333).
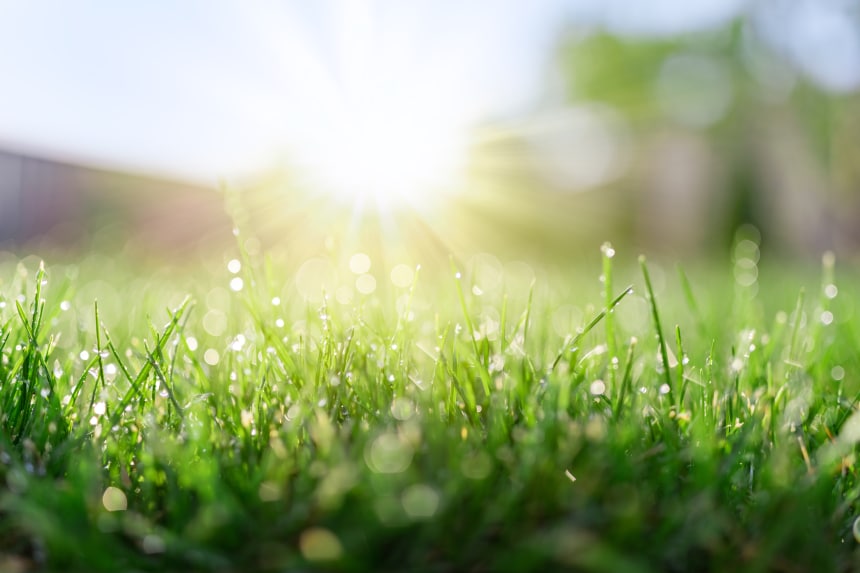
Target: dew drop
(359,263)
(114,499)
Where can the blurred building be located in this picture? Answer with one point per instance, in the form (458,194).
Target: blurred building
(60,204)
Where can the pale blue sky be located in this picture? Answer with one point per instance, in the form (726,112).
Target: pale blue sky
(208,88)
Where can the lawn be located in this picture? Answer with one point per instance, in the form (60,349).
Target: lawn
(614,415)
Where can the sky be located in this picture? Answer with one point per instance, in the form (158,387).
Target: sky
(209,89)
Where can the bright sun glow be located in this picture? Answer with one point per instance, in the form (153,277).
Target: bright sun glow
(387,151)
(387,120)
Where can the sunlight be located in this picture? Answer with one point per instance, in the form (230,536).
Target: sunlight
(384,121)
(381,151)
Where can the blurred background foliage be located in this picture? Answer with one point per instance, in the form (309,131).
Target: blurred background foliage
(672,143)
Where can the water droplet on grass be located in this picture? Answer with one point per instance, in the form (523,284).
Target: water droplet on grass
(420,501)
(238,343)
(597,388)
(247,418)
(387,454)
(211,357)
(359,263)
(319,544)
(114,499)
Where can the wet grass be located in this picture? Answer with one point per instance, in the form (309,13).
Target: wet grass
(482,419)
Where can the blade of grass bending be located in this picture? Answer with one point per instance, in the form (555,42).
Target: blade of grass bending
(31,333)
(32,330)
(795,327)
(79,386)
(627,379)
(30,363)
(160,342)
(4,339)
(38,306)
(690,298)
(528,313)
(118,358)
(150,358)
(591,324)
(485,376)
(612,348)
(100,379)
(682,380)
(463,306)
(181,339)
(656,316)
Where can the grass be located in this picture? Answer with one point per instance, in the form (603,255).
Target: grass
(473,421)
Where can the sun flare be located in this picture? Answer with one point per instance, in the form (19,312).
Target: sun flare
(384,120)
(388,152)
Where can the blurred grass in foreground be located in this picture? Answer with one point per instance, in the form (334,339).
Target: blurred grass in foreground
(341,417)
